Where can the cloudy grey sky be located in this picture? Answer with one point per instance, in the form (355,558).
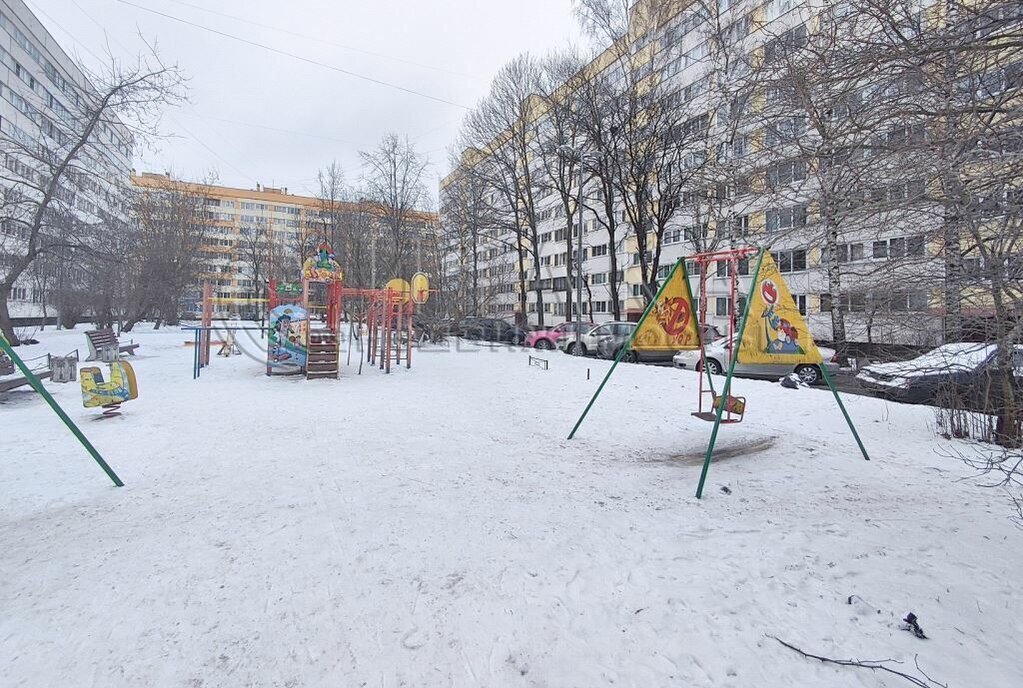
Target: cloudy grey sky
(257,116)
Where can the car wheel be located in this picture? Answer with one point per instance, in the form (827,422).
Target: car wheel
(543,344)
(630,357)
(570,349)
(809,374)
(713,367)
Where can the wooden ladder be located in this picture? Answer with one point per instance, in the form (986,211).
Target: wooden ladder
(322,361)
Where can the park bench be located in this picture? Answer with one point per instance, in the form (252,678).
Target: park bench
(9,381)
(100,339)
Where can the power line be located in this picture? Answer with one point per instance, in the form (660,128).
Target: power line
(295,56)
(191,134)
(322,40)
(269,128)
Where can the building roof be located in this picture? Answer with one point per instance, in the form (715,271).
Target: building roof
(264,194)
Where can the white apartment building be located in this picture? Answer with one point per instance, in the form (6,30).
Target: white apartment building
(677,52)
(41,93)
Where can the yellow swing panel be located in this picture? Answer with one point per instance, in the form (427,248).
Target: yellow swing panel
(775,330)
(671,324)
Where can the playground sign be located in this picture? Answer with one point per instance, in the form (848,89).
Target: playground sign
(286,350)
(400,287)
(777,332)
(420,288)
(289,288)
(671,324)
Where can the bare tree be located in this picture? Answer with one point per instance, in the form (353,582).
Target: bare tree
(47,175)
(501,131)
(394,180)
(171,224)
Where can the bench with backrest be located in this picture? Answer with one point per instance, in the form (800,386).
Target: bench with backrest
(99,339)
(9,381)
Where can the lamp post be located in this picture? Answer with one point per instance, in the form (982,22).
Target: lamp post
(576,156)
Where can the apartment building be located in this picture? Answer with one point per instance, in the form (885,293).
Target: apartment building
(42,93)
(236,218)
(674,53)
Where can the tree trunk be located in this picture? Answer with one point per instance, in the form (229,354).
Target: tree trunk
(838,333)
(953,264)
(6,326)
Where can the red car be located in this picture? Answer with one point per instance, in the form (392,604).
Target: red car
(547,339)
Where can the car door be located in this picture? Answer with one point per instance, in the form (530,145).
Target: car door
(595,335)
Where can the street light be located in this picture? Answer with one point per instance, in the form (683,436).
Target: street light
(575,155)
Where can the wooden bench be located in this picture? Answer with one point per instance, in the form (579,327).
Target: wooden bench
(14,382)
(98,339)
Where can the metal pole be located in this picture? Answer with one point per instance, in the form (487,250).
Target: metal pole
(37,385)
(579,264)
(723,401)
(628,345)
(845,413)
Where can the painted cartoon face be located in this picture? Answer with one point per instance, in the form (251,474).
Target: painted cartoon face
(788,330)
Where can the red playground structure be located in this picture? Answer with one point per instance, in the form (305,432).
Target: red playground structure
(305,320)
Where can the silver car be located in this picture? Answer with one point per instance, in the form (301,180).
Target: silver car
(589,339)
(718,361)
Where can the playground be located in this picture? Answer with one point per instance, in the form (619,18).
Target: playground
(434,527)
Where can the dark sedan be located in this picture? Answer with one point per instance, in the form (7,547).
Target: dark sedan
(963,369)
(491,330)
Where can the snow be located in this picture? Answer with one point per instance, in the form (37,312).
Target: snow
(433,527)
(955,357)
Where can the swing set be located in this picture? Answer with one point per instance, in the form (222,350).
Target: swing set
(784,337)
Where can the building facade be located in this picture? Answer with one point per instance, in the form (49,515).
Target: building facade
(884,259)
(43,98)
(252,235)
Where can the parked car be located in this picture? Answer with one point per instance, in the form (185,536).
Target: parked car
(589,339)
(963,368)
(718,360)
(609,346)
(491,330)
(548,338)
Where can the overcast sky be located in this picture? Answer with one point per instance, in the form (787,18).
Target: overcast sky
(257,116)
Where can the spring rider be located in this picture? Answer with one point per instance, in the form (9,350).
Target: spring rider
(109,395)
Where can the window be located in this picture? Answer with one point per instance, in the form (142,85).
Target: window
(850,252)
(696,54)
(776,8)
(786,172)
(785,44)
(784,130)
(880,249)
(790,261)
(723,306)
(599,250)
(598,278)
(800,301)
(786,218)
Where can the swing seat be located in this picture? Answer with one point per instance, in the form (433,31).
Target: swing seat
(735,409)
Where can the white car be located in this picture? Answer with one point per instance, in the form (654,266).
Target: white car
(718,361)
(589,338)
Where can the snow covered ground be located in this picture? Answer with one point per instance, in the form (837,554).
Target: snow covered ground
(435,528)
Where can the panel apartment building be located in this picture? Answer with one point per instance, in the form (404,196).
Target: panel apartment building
(41,94)
(673,53)
(237,216)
